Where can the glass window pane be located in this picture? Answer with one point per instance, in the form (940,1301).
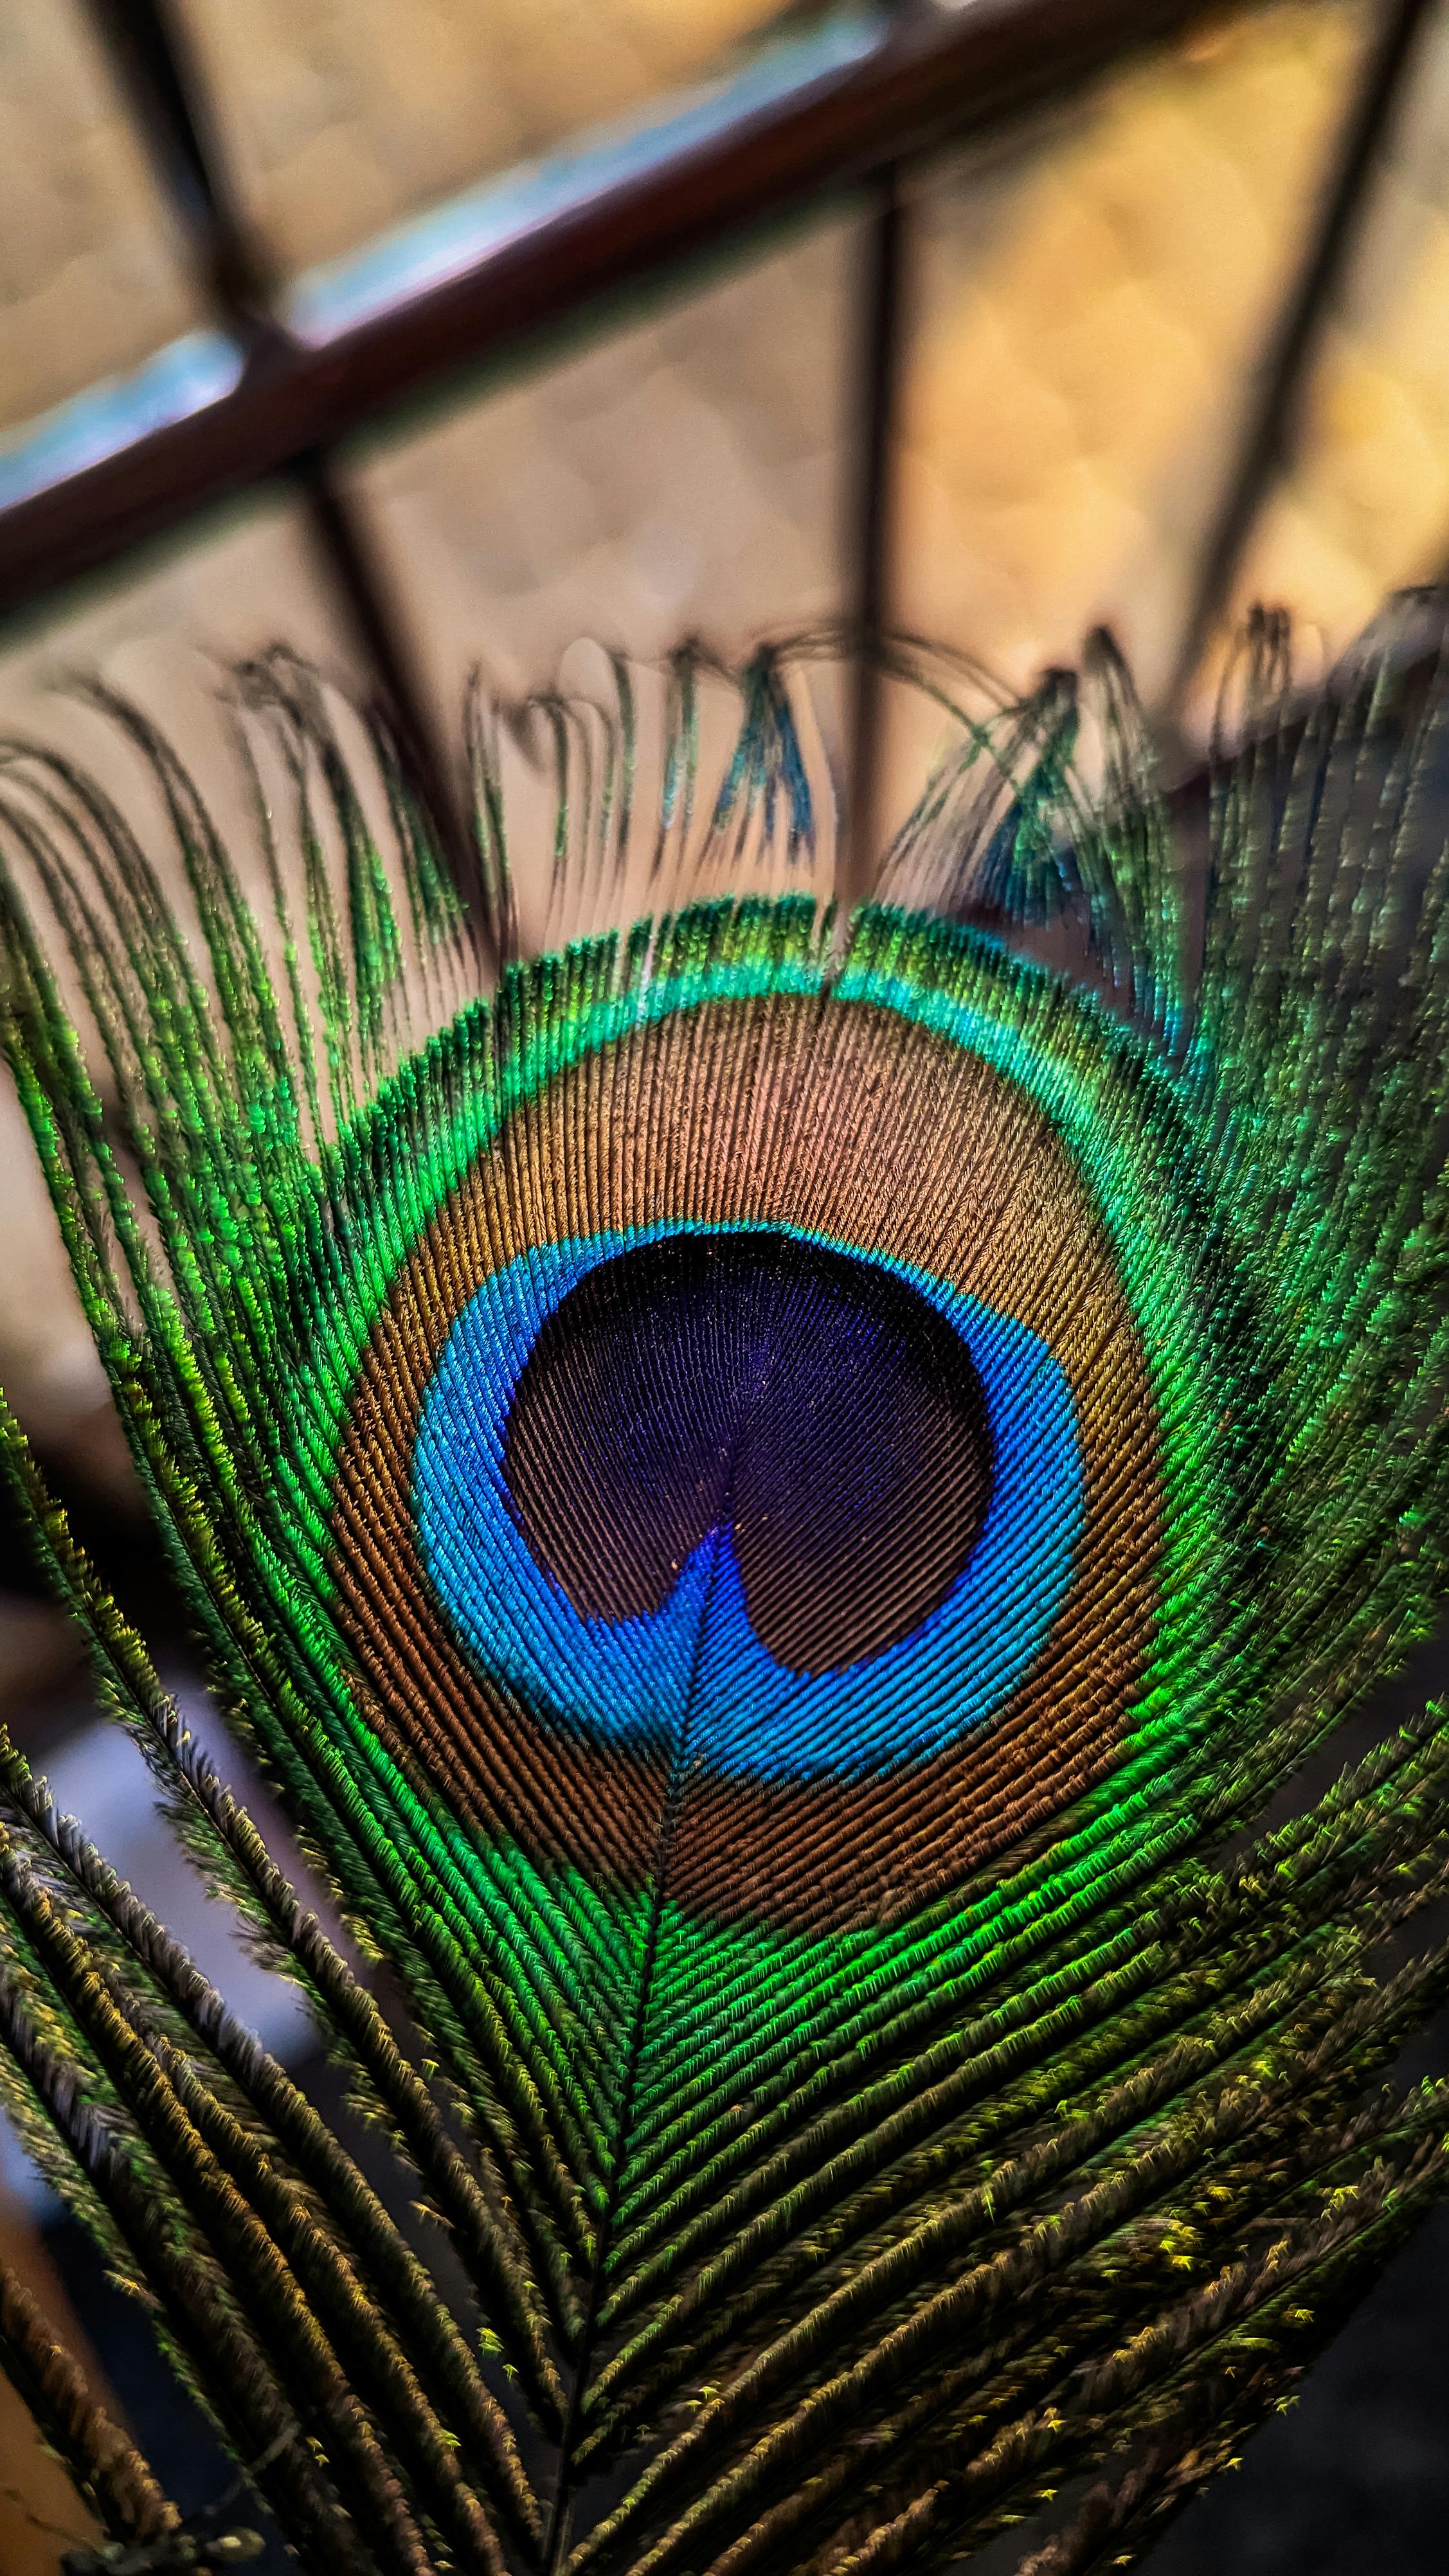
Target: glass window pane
(1092,300)
(1365,507)
(93,278)
(686,474)
(342,116)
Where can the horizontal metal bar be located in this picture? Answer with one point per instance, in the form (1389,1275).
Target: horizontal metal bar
(934,76)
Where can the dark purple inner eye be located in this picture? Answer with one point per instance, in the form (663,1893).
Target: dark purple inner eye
(816,1409)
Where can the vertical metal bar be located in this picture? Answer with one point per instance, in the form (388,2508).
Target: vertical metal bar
(159,75)
(1267,444)
(340,532)
(156,69)
(880,362)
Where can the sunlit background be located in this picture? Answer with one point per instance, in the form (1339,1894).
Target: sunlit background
(1091,302)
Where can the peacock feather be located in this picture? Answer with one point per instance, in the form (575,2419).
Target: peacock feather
(780,1496)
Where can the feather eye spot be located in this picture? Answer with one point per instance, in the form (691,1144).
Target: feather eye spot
(909,1652)
(761,1408)
(812,1413)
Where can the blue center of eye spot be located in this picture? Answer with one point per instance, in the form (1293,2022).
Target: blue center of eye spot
(817,1506)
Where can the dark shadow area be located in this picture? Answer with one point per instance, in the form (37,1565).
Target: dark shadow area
(176,2436)
(1354,2479)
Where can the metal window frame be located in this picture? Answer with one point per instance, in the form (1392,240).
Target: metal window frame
(938,75)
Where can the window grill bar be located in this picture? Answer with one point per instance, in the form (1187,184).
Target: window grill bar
(881,346)
(163,82)
(341,533)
